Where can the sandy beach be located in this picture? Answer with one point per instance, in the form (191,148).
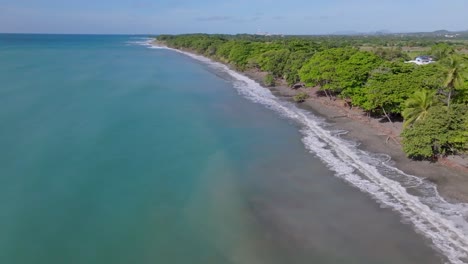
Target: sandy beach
(379,137)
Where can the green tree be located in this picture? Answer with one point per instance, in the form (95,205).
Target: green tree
(387,89)
(442,132)
(274,61)
(354,72)
(295,62)
(321,69)
(392,54)
(223,51)
(442,51)
(391,84)
(454,76)
(239,54)
(417,106)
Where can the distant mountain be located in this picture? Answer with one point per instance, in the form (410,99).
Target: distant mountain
(441,32)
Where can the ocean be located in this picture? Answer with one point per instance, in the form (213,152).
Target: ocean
(115,151)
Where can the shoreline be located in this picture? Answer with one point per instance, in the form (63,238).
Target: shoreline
(372,136)
(377,138)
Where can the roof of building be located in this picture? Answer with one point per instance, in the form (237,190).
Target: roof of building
(424,57)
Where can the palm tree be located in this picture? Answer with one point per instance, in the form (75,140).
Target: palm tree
(417,106)
(454,78)
(442,51)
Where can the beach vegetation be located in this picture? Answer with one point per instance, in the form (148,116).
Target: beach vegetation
(300,97)
(455,77)
(392,54)
(323,69)
(269,80)
(274,61)
(295,62)
(417,107)
(442,51)
(444,131)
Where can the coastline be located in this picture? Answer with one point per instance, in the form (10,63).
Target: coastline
(371,135)
(378,138)
(431,197)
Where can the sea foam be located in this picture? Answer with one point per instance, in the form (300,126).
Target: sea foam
(444,223)
(142,41)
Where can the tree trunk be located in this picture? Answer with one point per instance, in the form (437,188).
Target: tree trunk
(388,117)
(449,97)
(326,93)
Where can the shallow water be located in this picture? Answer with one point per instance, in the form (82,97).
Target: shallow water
(116,153)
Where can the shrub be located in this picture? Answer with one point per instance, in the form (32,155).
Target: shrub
(300,97)
(269,80)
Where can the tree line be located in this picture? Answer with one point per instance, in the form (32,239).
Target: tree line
(431,99)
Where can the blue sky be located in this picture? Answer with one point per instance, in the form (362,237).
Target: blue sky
(235,16)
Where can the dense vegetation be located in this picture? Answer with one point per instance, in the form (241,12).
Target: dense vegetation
(369,72)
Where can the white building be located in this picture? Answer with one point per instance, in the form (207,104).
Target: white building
(422,60)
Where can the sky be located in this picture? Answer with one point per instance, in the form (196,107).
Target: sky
(234,16)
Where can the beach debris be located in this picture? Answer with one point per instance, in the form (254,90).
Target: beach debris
(298,85)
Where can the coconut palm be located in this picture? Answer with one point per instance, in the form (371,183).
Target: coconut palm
(454,78)
(417,106)
(442,51)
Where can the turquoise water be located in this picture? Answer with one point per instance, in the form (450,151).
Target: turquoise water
(115,153)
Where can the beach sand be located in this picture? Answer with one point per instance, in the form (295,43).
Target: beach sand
(379,136)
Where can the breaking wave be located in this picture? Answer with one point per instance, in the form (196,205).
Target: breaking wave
(142,41)
(444,223)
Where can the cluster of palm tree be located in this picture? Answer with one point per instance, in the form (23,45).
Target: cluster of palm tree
(417,107)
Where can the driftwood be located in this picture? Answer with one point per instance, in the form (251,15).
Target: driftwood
(347,103)
(340,116)
(297,86)
(394,140)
